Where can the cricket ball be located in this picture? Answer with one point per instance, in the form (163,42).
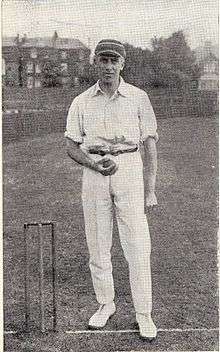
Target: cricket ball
(107,163)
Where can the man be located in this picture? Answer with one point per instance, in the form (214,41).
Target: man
(105,126)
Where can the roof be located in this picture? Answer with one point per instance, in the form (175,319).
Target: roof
(40,42)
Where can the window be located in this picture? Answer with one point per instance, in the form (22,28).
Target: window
(33,53)
(12,70)
(30,82)
(63,55)
(80,69)
(81,55)
(212,68)
(38,68)
(65,80)
(202,85)
(37,83)
(206,68)
(194,84)
(30,67)
(64,67)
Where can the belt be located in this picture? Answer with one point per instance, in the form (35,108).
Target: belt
(111,152)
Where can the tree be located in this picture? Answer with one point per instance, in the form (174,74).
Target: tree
(51,73)
(173,61)
(89,74)
(137,67)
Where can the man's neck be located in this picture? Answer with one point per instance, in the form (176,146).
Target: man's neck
(109,88)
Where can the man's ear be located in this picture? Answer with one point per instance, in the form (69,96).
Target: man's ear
(95,60)
(122,64)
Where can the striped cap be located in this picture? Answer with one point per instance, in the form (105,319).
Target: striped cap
(110,46)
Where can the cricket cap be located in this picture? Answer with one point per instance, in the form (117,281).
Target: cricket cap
(110,46)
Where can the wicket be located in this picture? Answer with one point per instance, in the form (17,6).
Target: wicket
(41,275)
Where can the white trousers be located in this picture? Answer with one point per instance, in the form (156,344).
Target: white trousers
(123,191)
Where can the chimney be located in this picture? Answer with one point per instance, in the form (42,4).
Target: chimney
(17,40)
(54,38)
(24,39)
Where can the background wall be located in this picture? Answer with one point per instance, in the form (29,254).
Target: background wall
(40,111)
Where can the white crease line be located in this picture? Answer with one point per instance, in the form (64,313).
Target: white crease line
(78,332)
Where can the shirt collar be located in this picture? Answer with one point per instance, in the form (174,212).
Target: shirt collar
(97,89)
(122,88)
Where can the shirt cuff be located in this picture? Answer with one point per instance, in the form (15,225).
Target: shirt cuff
(152,135)
(77,139)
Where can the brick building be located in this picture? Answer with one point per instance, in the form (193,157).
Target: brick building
(25,59)
(207,58)
(209,79)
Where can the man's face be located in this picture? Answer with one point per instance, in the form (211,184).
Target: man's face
(109,67)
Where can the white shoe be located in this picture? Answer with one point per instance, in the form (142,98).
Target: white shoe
(100,318)
(147,327)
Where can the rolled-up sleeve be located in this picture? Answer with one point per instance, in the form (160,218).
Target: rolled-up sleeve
(147,119)
(74,128)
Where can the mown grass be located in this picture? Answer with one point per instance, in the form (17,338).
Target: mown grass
(41,183)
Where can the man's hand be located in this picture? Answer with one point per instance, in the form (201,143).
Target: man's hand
(106,166)
(151,200)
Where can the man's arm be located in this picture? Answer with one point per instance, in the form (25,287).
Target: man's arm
(76,153)
(151,167)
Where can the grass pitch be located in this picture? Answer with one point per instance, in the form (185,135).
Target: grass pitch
(42,183)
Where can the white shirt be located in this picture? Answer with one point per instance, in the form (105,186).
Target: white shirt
(127,118)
